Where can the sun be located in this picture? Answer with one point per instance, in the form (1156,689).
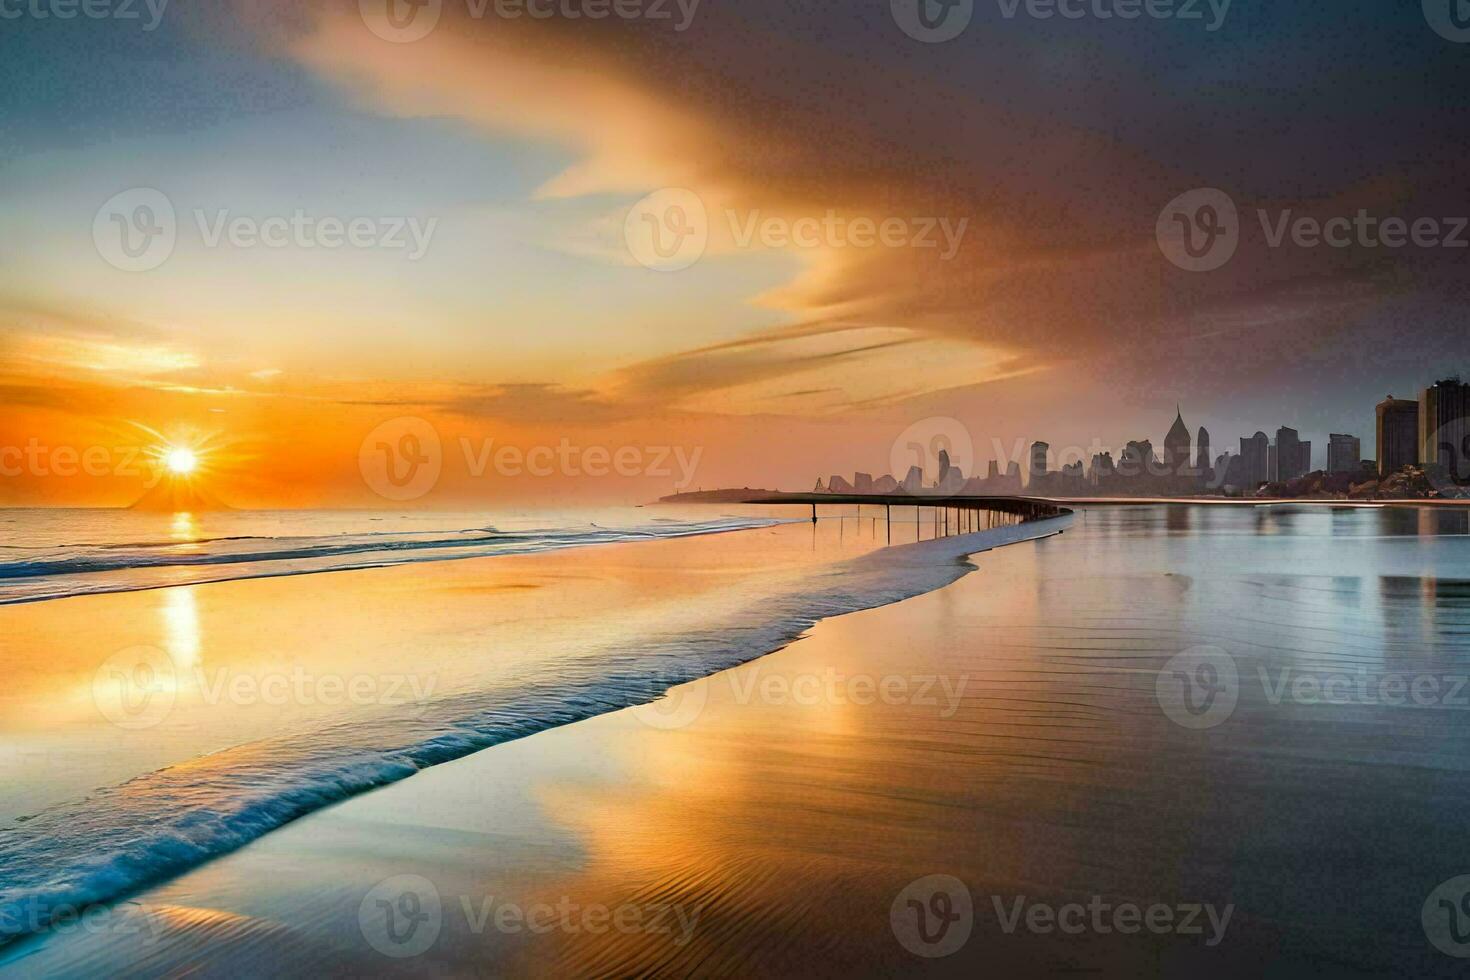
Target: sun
(180,461)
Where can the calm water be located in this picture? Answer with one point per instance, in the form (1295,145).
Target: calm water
(60,552)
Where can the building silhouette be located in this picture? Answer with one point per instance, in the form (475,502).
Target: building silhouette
(1202,459)
(1344,453)
(1255,458)
(1444,427)
(1176,446)
(1293,456)
(1038,461)
(1398,434)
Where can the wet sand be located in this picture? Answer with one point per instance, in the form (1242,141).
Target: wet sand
(1008,731)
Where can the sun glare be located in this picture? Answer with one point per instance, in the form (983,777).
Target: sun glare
(180,462)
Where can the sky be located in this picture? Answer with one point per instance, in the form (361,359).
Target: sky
(875,232)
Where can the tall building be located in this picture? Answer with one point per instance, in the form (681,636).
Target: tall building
(1344,453)
(1293,457)
(1398,434)
(1038,460)
(1254,458)
(1176,446)
(1444,427)
(1202,462)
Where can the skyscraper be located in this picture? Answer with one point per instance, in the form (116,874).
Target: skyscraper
(1254,457)
(1038,461)
(1202,462)
(1344,452)
(1293,457)
(1176,446)
(1398,434)
(1444,428)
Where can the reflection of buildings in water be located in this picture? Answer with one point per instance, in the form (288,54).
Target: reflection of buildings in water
(1179,518)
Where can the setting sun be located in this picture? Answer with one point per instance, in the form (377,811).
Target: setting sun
(180,461)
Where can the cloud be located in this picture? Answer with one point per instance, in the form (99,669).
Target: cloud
(1059,153)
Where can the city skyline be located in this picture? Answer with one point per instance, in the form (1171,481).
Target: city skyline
(1430,430)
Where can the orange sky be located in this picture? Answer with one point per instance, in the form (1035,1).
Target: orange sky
(1016,285)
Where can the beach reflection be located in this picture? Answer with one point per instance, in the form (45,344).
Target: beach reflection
(1026,749)
(1058,776)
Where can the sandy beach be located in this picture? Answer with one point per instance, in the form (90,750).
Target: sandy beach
(1006,732)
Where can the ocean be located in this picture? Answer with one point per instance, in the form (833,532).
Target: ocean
(182,685)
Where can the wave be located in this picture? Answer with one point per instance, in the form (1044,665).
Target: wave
(157,825)
(91,569)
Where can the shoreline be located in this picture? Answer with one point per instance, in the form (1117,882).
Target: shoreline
(944,550)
